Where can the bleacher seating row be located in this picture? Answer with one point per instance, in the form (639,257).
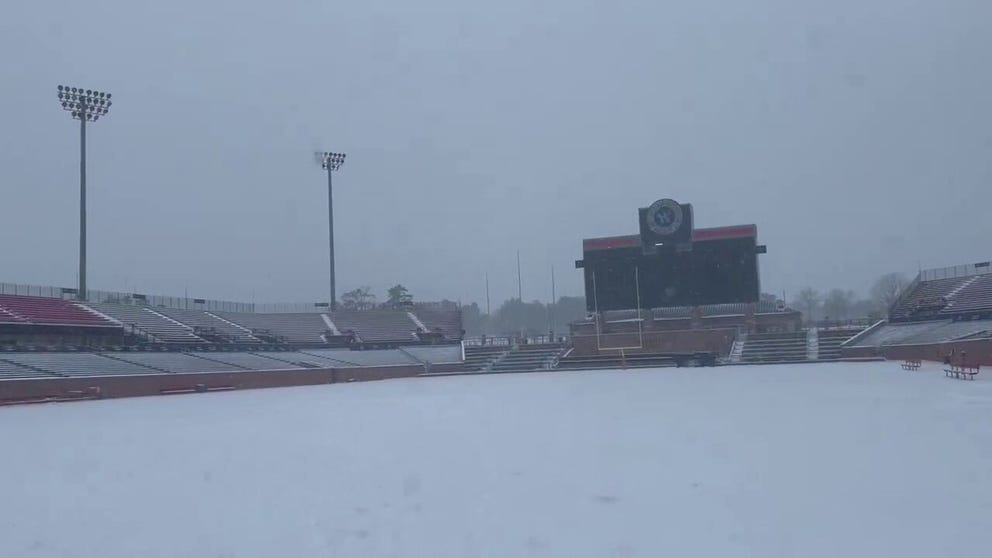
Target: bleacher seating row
(922,333)
(190,326)
(952,296)
(14,365)
(387,325)
(48,311)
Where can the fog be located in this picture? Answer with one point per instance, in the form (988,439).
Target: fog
(856,135)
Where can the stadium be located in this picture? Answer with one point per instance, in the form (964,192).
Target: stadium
(688,358)
(669,296)
(679,366)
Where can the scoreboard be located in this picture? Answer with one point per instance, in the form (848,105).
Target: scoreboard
(718,265)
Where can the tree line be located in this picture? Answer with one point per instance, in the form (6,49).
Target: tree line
(362,298)
(515,316)
(845,304)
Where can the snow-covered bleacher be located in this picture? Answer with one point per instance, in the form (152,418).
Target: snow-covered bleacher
(292,328)
(146,322)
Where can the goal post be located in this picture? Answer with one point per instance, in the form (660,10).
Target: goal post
(600,347)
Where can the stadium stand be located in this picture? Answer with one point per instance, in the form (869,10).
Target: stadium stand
(436,354)
(383,325)
(297,359)
(208,326)
(12,370)
(920,333)
(926,299)
(72,364)
(292,328)
(49,311)
(176,362)
(969,294)
(447,321)
(975,295)
(7,317)
(148,323)
(78,364)
(247,361)
(386,357)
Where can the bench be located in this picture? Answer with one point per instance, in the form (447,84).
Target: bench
(911,365)
(961,372)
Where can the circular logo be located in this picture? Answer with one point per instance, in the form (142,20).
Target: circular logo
(664,217)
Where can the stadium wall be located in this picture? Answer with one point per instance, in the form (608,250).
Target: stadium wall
(675,341)
(39,390)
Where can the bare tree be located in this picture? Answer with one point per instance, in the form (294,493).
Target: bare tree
(887,289)
(808,300)
(358,299)
(837,303)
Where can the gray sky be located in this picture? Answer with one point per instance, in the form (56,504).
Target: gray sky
(856,134)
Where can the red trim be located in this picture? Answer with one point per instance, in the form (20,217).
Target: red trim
(610,242)
(722,233)
(698,235)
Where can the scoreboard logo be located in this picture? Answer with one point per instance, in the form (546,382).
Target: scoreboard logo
(664,217)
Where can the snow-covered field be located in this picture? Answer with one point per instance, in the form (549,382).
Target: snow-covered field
(812,460)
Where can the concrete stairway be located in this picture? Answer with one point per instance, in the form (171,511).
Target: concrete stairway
(775,347)
(526,358)
(480,359)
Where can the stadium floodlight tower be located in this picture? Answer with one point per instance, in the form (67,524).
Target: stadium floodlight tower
(85,105)
(330,162)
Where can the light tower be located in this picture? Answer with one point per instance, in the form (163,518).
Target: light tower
(84,105)
(330,162)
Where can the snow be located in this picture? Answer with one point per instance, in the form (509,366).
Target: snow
(819,460)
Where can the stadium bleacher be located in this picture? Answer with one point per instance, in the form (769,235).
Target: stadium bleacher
(436,354)
(77,364)
(948,296)
(443,320)
(176,362)
(975,295)
(170,325)
(297,359)
(246,361)
(12,370)
(384,325)
(384,357)
(920,333)
(148,322)
(206,324)
(49,311)
(293,328)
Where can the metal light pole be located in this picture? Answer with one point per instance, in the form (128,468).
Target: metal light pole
(330,162)
(84,105)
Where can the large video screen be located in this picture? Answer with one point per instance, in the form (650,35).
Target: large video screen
(713,272)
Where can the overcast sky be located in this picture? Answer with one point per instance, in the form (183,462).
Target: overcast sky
(856,134)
